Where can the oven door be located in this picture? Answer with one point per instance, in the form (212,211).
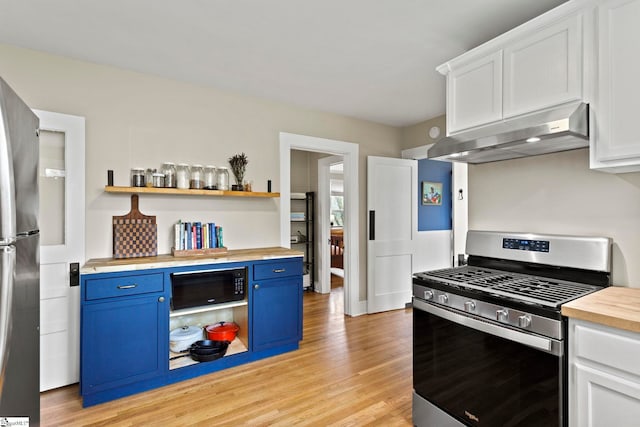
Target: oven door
(484,374)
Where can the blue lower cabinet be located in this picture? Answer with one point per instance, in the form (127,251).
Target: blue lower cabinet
(276,313)
(125,326)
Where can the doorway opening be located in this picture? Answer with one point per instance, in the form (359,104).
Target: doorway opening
(349,153)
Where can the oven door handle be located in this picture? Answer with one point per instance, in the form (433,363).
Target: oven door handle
(534,341)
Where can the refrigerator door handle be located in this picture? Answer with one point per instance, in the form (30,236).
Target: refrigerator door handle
(7,278)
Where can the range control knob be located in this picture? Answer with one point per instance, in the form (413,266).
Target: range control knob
(524,321)
(469,306)
(502,315)
(443,298)
(428,295)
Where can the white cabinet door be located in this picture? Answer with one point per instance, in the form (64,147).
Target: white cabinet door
(474,93)
(545,68)
(616,105)
(604,376)
(604,400)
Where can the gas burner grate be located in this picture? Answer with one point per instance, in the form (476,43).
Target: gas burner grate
(521,287)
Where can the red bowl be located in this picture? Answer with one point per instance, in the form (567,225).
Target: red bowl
(223,331)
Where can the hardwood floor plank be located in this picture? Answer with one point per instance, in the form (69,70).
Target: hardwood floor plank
(349,371)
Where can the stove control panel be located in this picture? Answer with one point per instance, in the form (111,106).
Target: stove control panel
(526,245)
(500,314)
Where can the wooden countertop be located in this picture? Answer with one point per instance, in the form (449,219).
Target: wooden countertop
(614,306)
(108,265)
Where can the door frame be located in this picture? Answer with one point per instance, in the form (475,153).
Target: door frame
(324,210)
(350,153)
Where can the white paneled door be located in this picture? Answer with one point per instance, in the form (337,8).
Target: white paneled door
(61,181)
(392,203)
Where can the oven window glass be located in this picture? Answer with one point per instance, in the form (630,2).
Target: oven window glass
(483,380)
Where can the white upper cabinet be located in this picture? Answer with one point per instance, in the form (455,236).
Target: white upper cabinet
(532,67)
(544,69)
(474,93)
(615,140)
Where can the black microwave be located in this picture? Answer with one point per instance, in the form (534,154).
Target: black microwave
(207,287)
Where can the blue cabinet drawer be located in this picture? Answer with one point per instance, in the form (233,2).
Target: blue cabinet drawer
(275,269)
(123,286)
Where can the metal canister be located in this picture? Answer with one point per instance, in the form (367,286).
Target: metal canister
(158,180)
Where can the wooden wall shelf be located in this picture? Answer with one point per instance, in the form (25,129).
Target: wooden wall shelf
(219,193)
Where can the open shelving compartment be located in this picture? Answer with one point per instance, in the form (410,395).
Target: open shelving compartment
(236,311)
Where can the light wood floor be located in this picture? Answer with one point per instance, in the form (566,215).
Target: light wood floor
(349,371)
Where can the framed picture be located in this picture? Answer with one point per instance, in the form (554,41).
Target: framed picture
(431,193)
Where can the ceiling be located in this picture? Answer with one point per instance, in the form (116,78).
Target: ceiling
(372,60)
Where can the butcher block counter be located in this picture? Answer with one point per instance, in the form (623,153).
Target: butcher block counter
(615,306)
(107,265)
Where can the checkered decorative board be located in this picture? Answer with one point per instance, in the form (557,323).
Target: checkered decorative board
(134,235)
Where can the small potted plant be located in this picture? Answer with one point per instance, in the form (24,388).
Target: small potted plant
(238,166)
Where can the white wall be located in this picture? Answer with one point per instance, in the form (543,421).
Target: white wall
(559,194)
(134,119)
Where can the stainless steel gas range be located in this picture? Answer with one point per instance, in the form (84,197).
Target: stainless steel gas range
(489,341)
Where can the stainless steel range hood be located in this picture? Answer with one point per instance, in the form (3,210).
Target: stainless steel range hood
(558,129)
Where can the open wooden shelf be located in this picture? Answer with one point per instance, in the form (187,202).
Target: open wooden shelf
(236,346)
(219,193)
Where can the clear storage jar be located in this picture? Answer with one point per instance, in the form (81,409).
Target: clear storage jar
(137,177)
(210,178)
(222,178)
(182,176)
(197,177)
(169,171)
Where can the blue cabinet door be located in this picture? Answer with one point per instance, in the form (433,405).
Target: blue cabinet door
(123,341)
(276,312)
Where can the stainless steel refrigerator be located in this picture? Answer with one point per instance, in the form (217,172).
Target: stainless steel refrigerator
(19,262)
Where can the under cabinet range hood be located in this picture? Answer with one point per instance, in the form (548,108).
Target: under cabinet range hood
(549,131)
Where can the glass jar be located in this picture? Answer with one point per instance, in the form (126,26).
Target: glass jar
(137,177)
(148,177)
(158,180)
(210,178)
(222,178)
(182,176)
(169,171)
(197,177)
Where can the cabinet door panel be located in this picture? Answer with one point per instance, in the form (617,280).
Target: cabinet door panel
(276,313)
(617,100)
(474,94)
(120,342)
(604,399)
(544,69)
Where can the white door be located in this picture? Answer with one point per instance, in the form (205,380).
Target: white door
(324,223)
(61,179)
(392,204)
